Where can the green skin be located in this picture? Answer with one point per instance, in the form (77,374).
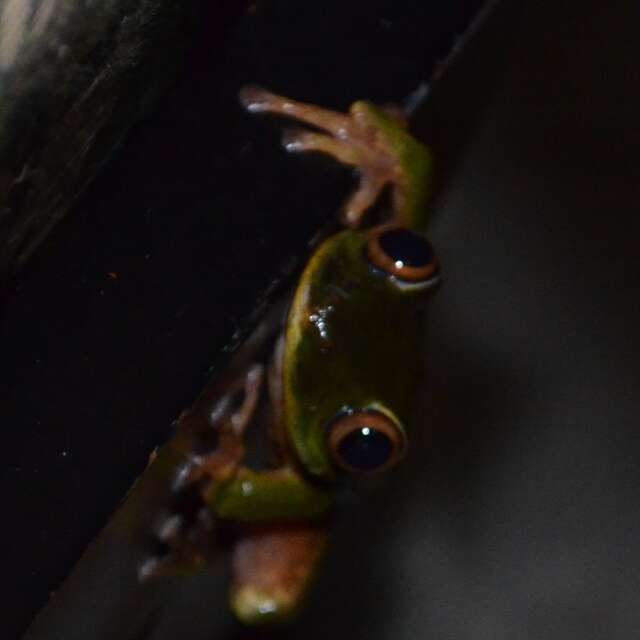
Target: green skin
(368,359)
(369,355)
(351,342)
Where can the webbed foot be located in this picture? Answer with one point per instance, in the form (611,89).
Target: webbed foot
(184,534)
(369,138)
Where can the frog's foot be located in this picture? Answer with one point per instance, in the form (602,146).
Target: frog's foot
(183,539)
(213,444)
(373,178)
(354,139)
(214,449)
(183,536)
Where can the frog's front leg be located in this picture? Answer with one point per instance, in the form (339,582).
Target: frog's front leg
(256,99)
(214,448)
(357,139)
(372,180)
(214,485)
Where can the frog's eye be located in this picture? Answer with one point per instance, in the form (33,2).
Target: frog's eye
(365,441)
(404,254)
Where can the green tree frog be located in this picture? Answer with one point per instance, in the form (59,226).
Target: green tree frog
(336,390)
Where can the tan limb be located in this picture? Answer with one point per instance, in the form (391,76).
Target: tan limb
(257,100)
(184,533)
(350,138)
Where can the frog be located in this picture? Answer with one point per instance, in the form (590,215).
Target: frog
(340,376)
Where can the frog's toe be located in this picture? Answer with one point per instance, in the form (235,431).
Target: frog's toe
(254,98)
(301,140)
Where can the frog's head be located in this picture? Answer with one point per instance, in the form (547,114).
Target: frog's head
(352,359)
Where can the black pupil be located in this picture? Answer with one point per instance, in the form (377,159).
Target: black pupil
(402,245)
(365,449)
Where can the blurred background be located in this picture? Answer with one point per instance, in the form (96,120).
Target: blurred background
(516,512)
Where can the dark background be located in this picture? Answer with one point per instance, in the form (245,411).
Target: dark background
(516,513)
